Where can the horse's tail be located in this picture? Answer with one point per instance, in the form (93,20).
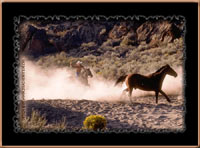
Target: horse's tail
(120,79)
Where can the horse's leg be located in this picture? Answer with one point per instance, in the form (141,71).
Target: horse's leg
(130,93)
(156,93)
(124,91)
(165,96)
(87,83)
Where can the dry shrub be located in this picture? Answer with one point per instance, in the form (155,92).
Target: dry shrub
(38,122)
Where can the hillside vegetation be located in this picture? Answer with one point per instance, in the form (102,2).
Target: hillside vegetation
(110,48)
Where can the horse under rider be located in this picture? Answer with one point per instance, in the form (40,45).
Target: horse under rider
(78,67)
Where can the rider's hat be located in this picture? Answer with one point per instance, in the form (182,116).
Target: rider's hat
(79,62)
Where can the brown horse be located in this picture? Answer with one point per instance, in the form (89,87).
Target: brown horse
(84,76)
(152,82)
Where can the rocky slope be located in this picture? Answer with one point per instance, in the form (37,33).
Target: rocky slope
(39,38)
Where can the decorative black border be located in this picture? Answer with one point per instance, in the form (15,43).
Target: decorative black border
(14,9)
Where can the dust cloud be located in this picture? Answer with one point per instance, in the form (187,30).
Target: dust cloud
(60,83)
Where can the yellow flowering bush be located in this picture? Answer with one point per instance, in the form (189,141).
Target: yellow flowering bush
(95,122)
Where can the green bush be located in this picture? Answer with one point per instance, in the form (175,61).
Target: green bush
(95,122)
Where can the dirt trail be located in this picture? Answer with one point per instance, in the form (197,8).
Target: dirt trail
(142,115)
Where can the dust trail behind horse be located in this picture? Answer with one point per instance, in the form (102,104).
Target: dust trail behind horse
(55,83)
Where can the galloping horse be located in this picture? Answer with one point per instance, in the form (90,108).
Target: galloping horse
(152,82)
(84,76)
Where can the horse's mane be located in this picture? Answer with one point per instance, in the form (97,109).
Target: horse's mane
(159,70)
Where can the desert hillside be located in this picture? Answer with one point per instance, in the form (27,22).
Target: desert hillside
(111,48)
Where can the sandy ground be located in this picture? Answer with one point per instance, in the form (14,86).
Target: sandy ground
(140,116)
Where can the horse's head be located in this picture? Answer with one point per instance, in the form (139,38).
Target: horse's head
(88,72)
(170,71)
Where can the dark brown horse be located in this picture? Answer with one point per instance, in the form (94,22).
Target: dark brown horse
(84,76)
(152,82)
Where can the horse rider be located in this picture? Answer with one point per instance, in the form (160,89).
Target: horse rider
(78,67)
